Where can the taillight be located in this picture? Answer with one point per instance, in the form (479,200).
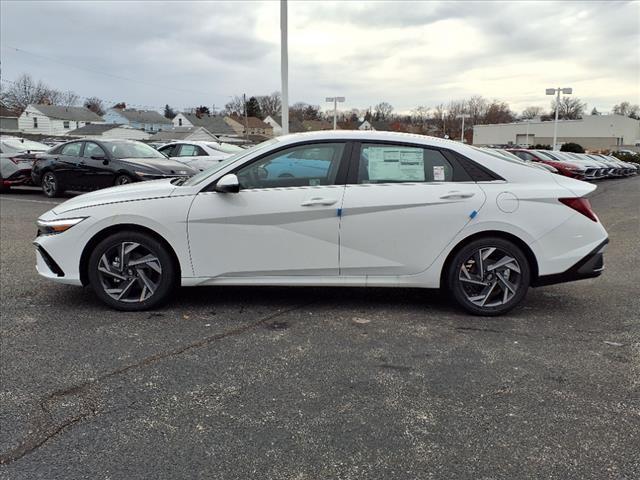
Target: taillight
(581,205)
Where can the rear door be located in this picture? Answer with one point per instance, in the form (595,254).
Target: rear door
(402,206)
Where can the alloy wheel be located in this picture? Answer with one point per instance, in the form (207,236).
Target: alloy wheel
(49,183)
(123,180)
(130,272)
(490,277)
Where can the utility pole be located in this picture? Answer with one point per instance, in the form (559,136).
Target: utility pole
(246,123)
(284,66)
(552,91)
(335,101)
(462,116)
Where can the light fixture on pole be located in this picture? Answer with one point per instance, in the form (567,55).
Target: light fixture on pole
(556,91)
(284,66)
(335,101)
(462,116)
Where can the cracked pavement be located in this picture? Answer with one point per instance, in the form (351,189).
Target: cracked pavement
(310,383)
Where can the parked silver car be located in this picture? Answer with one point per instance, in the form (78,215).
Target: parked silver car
(16,159)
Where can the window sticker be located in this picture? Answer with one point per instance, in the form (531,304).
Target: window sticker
(405,164)
(438,173)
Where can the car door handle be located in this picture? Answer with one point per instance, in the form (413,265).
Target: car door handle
(318,201)
(455,195)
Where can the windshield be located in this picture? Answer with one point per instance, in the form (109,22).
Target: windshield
(546,156)
(205,174)
(225,147)
(24,145)
(132,150)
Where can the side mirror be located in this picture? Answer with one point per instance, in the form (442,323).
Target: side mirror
(99,157)
(228,184)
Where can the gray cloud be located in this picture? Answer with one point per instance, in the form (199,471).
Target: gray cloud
(407,53)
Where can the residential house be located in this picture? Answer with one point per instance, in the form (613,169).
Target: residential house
(249,126)
(184,134)
(55,119)
(109,131)
(316,125)
(275,121)
(212,123)
(147,120)
(379,125)
(8,119)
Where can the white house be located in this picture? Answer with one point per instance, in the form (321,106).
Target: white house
(147,120)
(109,131)
(184,133)
(592,132)
(214,124)
(54,119)
(276,123)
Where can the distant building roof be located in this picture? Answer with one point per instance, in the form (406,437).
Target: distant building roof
(315,125)
(143,116)
(94,129)
(179,133)
(7,112)
(213,124)
(78,114)
(251,122)
(295,125)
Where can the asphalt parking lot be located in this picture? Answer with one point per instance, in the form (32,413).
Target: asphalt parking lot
(315,383)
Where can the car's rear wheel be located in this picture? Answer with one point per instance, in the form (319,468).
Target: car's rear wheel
(123,179)
(51,185)
(132,271)
(489,276)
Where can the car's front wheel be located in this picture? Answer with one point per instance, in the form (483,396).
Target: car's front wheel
(489,276)
(123,179)
(132,271)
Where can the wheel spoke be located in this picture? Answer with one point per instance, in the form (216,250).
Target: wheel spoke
(149,260)
(471,280)
(126,288)
(500,263)
(145,280)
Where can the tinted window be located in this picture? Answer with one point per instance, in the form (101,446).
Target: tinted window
(71,149)
(397,164)
(168,150)
(307,165)
(93,150)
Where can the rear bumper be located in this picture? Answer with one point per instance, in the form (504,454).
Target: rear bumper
(19,177)
(590,266)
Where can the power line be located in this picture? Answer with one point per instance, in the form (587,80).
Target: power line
(55,60)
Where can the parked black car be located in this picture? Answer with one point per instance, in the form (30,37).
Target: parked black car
(94,164)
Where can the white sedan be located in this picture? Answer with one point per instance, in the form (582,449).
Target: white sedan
(338,208)
(199,155)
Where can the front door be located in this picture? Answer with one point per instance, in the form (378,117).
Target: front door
(284,220)
(402,208)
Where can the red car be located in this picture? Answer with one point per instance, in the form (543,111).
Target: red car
(567,169)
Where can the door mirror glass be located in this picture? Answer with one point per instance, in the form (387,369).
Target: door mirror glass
(228,184)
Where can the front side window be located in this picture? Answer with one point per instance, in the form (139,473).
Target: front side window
(71,149)
(307,165)
(386,163)
(93,150)
(188,150)
(168,150)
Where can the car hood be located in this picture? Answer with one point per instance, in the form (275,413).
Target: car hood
(164,165)
(123,193)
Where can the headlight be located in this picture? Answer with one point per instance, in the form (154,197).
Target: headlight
(147,174)
(50,227)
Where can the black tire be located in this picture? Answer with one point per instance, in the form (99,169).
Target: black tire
(123,179)
(514,274)
(164,282)
(51,185)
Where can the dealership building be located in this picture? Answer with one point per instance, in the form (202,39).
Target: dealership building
(592,132)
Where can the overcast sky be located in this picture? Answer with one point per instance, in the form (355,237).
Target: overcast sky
(408,54)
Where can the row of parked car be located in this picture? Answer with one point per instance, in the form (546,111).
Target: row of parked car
(583,166)
(92,164)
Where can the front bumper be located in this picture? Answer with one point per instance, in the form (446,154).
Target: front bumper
(590,266)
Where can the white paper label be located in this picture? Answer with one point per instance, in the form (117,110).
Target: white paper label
(395,164)
(438,173)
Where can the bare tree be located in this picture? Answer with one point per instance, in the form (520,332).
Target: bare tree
(477,109)
(531,112)
(304,111)
(270,105)
(383,111)
(419,115)
(498,112)
(95,105)
(24,91)
(627,109)
(235,106)
(569,108)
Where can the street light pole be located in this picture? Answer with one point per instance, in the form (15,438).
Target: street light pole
(462,116)
(556,91)
(284,66)
(335,101)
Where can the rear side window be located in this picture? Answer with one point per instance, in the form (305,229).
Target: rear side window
(388,163)
(71,149)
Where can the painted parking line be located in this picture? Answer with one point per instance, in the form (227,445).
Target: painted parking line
(28,200)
